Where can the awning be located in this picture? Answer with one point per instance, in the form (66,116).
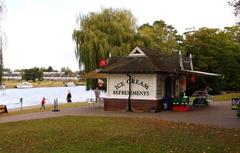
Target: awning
(192,72)
(94,75)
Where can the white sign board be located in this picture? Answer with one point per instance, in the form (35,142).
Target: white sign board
(143,86)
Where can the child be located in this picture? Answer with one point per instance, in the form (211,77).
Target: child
(43,103)
(97,94)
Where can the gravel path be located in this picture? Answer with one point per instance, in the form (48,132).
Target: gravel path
(217,114)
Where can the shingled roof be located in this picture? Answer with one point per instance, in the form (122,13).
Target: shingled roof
(144,60)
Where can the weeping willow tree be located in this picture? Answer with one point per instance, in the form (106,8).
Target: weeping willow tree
(110,31)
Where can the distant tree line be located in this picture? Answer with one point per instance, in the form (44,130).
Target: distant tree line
(114,31)
(33,74)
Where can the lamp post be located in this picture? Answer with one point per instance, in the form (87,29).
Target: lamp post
(129,92)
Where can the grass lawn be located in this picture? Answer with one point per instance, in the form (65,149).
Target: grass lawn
(49,107)
(74,134)
(226,97)
(44,83)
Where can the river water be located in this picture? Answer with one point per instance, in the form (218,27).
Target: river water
(33,96)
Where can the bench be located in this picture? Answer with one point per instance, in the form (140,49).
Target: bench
(3,109)
(91,102)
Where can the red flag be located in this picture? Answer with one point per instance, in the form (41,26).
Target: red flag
(102,62)
(193,79)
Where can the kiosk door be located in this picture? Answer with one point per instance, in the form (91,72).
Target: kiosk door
(168,87)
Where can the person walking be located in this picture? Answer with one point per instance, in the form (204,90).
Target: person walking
(97,94)
(69,96)
(43,102)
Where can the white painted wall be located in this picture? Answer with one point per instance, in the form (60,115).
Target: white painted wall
(118,87)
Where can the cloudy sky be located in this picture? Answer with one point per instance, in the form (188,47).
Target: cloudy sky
(39,31)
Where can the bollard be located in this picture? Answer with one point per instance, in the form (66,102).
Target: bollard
(21,102)
(55,105)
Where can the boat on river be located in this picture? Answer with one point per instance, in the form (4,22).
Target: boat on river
(70,84)
(24,85)
(2,86)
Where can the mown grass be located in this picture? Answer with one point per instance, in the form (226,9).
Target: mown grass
(49,107)
(222,97)
(226,97)
(74,134)
(44,83)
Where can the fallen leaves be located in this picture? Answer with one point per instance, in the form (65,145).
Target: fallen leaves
(101,134)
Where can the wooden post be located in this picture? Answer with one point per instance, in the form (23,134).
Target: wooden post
(21,102)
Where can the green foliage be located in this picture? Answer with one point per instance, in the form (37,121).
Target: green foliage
(67,71)
(216,51)
(114,31)
(225,96)
(33,74)
(49,69)
(160,36)
(110,31)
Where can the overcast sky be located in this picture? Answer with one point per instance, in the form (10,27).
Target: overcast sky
(39,32)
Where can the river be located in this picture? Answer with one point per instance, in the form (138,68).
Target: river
(33,96)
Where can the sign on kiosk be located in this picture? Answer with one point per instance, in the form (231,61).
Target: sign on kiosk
(117,88)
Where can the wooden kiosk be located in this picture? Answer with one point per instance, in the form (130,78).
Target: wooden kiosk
(140,81)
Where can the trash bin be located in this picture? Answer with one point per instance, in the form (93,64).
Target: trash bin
(165,106)
(166,103)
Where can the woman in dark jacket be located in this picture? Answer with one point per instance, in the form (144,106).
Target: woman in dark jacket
(69,96)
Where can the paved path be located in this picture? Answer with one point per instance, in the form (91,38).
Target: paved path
(217,114)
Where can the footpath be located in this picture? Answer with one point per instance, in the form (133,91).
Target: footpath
(218,114)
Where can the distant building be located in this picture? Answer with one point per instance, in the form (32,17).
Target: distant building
(59,76)
(12,75)
(8,75)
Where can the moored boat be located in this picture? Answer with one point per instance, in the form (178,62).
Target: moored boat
(2,86)
(70,84)
(24,85)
